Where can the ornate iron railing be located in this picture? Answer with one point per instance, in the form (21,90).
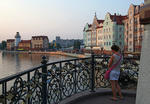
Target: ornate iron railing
(50,83)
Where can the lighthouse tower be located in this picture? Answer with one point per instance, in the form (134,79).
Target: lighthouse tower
(17,39)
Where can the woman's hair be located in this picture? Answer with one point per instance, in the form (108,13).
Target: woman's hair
(115,48)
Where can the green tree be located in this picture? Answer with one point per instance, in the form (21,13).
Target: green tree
(3,45)
(58,46)
(77,44)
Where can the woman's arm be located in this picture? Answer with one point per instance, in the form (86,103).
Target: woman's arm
(110,62)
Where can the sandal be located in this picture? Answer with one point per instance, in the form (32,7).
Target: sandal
(114,99)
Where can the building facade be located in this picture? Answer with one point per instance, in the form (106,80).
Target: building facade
(24,45)
(87,35)
(133,30)
(39,43)
(102,34)
(92,34)
(66,43)
(10,44)
(95,32)
(113,31)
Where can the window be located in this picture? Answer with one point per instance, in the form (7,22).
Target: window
(120,36)
(120,29)
(120,43)
(130,43)
(130,28)
(110,43)
(130,35)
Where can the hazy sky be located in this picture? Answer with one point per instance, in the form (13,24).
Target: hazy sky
(65,18)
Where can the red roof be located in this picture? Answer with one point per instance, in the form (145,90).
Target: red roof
(118,18)
(100,21)
(40,37)
(10,40)
(99,26)
(25,41)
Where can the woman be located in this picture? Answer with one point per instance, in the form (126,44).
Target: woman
(115,72)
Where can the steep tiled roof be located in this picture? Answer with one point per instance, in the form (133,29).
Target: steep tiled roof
(10,40)
(100,21)
(118,18)
(99,26)
(25,41)
(40,37)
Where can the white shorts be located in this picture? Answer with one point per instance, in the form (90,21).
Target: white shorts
(114,75)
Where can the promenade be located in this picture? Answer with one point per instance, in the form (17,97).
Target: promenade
(51,53)
(101,96)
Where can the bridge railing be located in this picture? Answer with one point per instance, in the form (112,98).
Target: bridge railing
(50,83)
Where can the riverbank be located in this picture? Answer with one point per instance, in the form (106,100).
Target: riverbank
(51,53)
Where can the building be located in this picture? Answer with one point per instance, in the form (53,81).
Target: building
(66,43)
(95,32)
(17,39)
(102,34)
(24,45)
(92,34)
(10,44)
(113,31)
(39,43)
(133,30)
(87,36)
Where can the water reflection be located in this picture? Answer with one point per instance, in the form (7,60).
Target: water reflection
(11,63)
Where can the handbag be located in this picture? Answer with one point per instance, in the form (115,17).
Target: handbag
(106,76)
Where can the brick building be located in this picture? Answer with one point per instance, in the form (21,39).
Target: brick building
(39,43)
(24,45)
(133,30)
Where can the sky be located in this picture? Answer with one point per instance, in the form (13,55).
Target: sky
(64,18)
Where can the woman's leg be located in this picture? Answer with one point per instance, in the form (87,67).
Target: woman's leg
(113,86)
(119,89)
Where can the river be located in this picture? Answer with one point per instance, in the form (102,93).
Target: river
(11,63)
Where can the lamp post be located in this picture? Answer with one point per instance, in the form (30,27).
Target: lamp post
(143,88)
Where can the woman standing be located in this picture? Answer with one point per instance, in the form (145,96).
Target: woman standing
(115,72)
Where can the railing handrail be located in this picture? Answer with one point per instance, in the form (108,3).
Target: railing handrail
(61,79)
(13,76)
(8,78)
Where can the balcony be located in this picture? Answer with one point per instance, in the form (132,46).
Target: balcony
(76,81)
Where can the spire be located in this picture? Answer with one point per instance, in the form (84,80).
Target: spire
(17,35)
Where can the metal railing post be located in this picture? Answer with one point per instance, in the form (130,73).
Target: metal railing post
(44,80)
(92,73)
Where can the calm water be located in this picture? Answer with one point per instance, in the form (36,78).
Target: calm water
(11,63)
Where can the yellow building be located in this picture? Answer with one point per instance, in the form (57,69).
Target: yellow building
(24,45)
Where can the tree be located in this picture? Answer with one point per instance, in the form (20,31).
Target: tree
(58,46)
(77,44)
(3,45)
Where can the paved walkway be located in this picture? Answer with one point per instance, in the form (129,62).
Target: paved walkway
(101,96)
(106,100)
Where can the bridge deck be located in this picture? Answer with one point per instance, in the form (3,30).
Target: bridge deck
(101,96)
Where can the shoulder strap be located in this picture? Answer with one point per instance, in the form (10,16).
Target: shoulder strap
(116,63)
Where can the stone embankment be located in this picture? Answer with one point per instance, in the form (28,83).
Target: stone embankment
(51,53)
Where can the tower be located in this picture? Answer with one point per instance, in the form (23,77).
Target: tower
(17,39)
